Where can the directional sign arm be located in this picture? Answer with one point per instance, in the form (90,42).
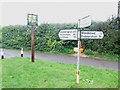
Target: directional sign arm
(70,34)
(85,22)
(92,35)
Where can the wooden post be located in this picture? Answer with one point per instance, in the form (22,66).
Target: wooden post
(32,22)
(32,45)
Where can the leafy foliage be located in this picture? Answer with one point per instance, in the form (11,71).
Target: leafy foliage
(46,37)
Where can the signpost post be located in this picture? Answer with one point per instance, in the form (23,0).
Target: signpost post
(78,61)
(84,22)
(32,45)
(77,34)
(32,22)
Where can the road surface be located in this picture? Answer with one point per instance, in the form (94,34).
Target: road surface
(64,58)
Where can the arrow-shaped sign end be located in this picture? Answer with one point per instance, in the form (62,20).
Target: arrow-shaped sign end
(59,34)
(102,35)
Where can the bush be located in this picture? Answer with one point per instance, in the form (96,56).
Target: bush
(46,38)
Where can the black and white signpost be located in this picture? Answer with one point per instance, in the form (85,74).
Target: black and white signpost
(78,34)
(32,22)
(83,22)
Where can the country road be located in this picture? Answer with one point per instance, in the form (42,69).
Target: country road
(64,58)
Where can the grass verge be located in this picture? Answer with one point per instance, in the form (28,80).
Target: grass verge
(22,73)
(105,56)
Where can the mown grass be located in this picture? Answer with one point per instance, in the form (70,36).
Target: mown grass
(22,73)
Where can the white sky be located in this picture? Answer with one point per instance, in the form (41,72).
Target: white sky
(58,0)
(56,12)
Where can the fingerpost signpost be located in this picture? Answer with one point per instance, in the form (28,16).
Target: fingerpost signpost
(78,34)
(32,22)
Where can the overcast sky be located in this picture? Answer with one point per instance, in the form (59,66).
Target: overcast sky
(56,12)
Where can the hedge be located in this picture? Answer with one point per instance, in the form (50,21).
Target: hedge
(46,38)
